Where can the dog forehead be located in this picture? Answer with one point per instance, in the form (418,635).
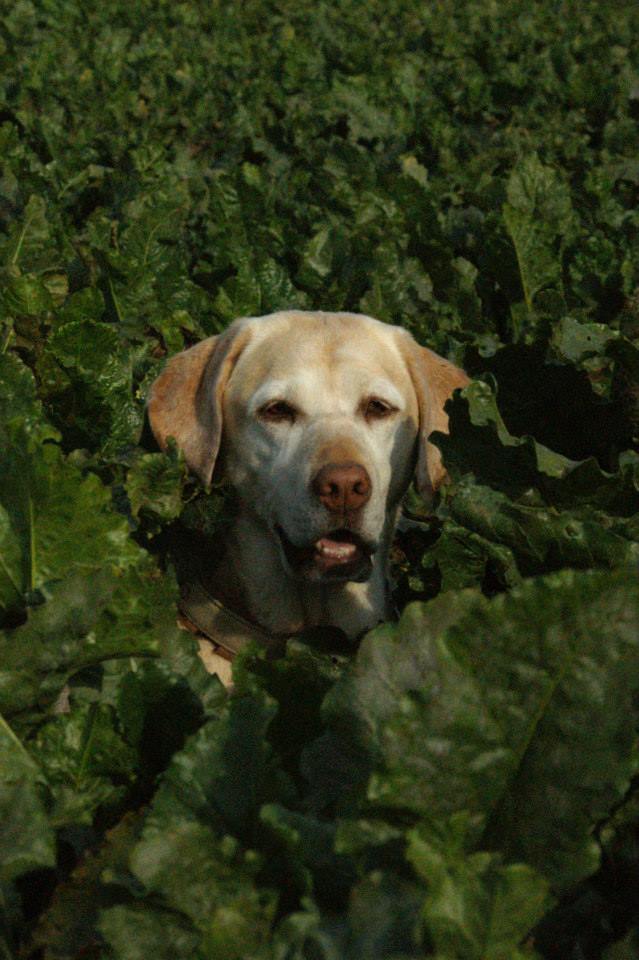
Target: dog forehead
(313,350)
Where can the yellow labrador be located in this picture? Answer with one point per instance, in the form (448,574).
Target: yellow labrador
(319,421)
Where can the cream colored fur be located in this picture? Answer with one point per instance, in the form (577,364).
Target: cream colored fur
(325,365)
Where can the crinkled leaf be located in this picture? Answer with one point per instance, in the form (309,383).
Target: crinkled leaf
(168,167)
(491,453)
(209,880)
(538,213)
(100,369)
(29,237)
(225,773)
(317,258)
(63,522)
(466,559)
(154,485)
(542,537)
(479,444)
(135,932)
(11,565)
(311,862)
(625,949)
(20,408)
(358,707)
(556,403)
(24,294)
(68,924)
(298,684)
(26,835)
(383,919)
(87,620)
(479,707)
(382,923)
(58,519)
(575,341)
(86,304)
(215,786)
(160,702)
(477,908)
(86,761)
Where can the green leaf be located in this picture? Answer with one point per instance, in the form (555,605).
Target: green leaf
(54,522)
(383,919)
(204,780)
(537,215)
(64,522)
(68,924)
(476,908)
(29,236)
(542,537)
(360,705)
(135,932)
(85,621)
(465,559)
(154,485)
(220,897)
(298,683)
(160,702)
(317,258)
(239,296)
(86,304)
(575,341)
(310,853)
(26,837)
(625,949)
(20,408)
(480,448)
(214,787)
(86,762)
(466,170)
(479,707)
(11,566)
(491,453)
(24,295)
(99,366)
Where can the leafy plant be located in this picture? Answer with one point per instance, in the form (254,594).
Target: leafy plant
(462,785)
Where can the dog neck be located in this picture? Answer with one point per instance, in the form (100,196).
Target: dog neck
(252,581)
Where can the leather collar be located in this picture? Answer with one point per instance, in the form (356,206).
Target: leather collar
(226,629)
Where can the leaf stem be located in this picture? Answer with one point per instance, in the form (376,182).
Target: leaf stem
(89,732)
(6,338)
(546,699)
(23,233)
(32,543)
(12,736)
(116,305)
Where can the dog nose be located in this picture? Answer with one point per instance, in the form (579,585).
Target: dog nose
(342,487)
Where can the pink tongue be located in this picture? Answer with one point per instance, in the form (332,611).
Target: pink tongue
(337,549)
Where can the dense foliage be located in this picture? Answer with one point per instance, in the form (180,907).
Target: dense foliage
(461,786)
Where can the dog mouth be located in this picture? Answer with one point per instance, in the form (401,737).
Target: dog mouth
(338,555)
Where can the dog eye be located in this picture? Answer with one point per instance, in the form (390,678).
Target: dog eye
(375,409)
(277,411)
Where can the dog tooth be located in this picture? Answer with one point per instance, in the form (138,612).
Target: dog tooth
(337,551)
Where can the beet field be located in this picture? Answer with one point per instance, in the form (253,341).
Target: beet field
(463,784)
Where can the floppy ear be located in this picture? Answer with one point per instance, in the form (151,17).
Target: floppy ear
(434,380)
(185,402)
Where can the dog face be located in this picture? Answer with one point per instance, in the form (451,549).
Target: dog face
(319,421)
(320,425)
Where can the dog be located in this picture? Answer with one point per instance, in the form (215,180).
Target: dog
(319,421)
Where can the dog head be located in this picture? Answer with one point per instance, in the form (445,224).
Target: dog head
(319,421)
